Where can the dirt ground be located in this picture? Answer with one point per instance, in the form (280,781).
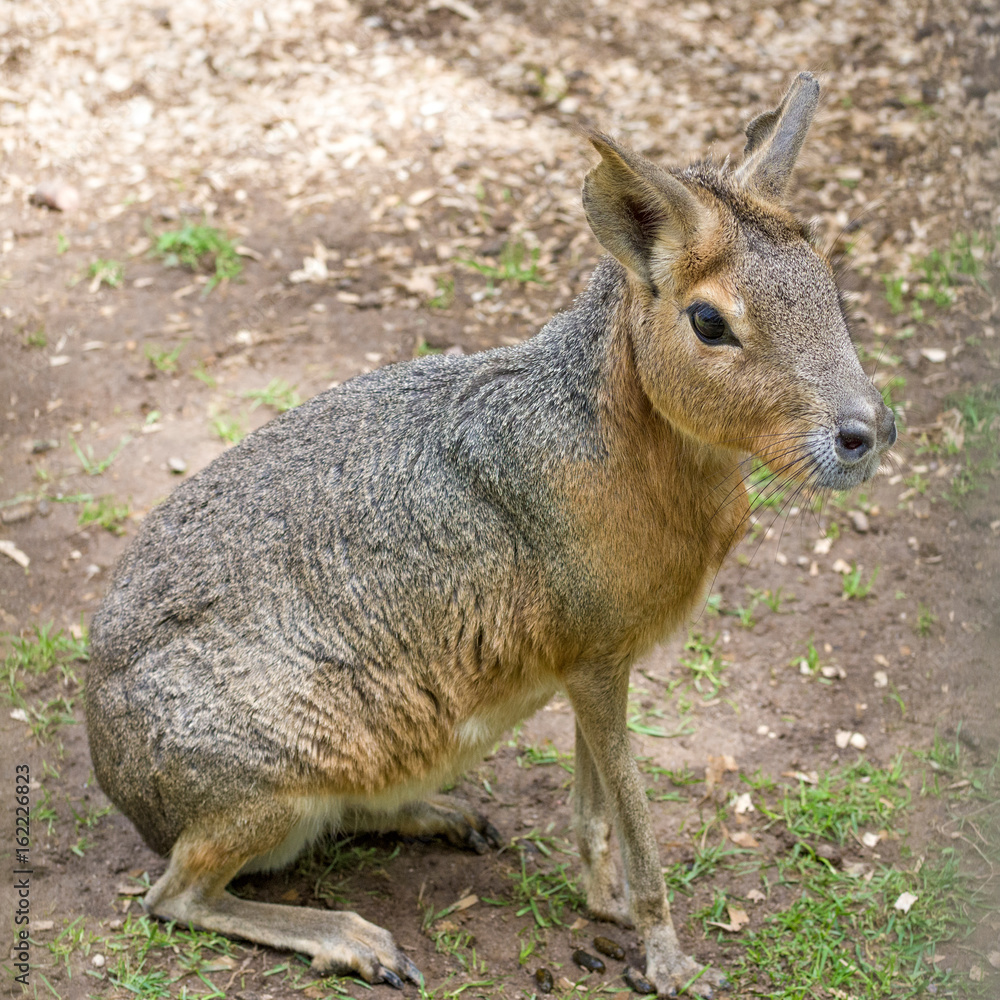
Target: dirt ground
(364,156)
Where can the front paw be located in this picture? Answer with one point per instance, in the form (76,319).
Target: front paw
(673,972)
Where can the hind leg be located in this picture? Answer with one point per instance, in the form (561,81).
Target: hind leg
(207,856)
(438,816)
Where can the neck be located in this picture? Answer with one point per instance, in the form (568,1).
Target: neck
(666,503)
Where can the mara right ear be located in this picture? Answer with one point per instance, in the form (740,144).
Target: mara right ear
(775,138)
(638,211)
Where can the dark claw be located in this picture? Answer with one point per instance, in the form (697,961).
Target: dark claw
(477,842)
(493,836)
(387,976)
(410,970)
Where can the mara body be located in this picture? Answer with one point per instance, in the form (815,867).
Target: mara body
(348,608)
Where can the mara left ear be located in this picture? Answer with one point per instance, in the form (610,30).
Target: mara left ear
(775,138)
(638,211)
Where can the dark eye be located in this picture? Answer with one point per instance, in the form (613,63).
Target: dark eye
(710,327)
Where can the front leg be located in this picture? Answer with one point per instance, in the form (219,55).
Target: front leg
(599,694)
(592,820)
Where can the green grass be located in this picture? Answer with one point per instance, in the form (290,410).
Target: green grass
(980,410)
(137,953)
(888,390)
(854,587)
(837,931)
(679,779)
(842,803)
(763,488)
(231,430)
(843,936)
(445,294)
(531,756)
(335,861)
(106,272)
(515,264)
(200,248)
(277,394)
(811,660)
(545,890)
(36,338)
(706,861)
(926,620)
(704,664)
(91,465)
(42,650)
(105,512)
(203,375)
(935,278)
(161,359)
(29,661)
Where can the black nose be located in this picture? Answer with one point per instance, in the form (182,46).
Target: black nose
(854,440)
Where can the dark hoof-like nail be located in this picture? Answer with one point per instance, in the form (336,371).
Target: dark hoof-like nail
(477,842)
(389,977)
(410,970)
(493,836)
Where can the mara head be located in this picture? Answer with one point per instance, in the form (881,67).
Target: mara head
(739,335)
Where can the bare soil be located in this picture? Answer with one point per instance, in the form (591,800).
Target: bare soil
(391,142)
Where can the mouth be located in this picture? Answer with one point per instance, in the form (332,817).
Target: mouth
(846,457)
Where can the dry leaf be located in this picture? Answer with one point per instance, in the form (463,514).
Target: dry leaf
(744,838)
(738,919)
(812,778)
(756,896)
(578,924)
(130,890)
(717,766)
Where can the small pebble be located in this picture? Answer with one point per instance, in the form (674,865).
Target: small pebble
(635,980)
(610,948)
(57,195)
(177,466)
(19,513)
(859,519)
(543,980)
(587,961)
(97,961)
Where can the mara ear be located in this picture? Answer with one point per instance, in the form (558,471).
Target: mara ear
(775,138)
(638,211)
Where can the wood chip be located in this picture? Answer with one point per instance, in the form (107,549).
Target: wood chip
(10,550)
